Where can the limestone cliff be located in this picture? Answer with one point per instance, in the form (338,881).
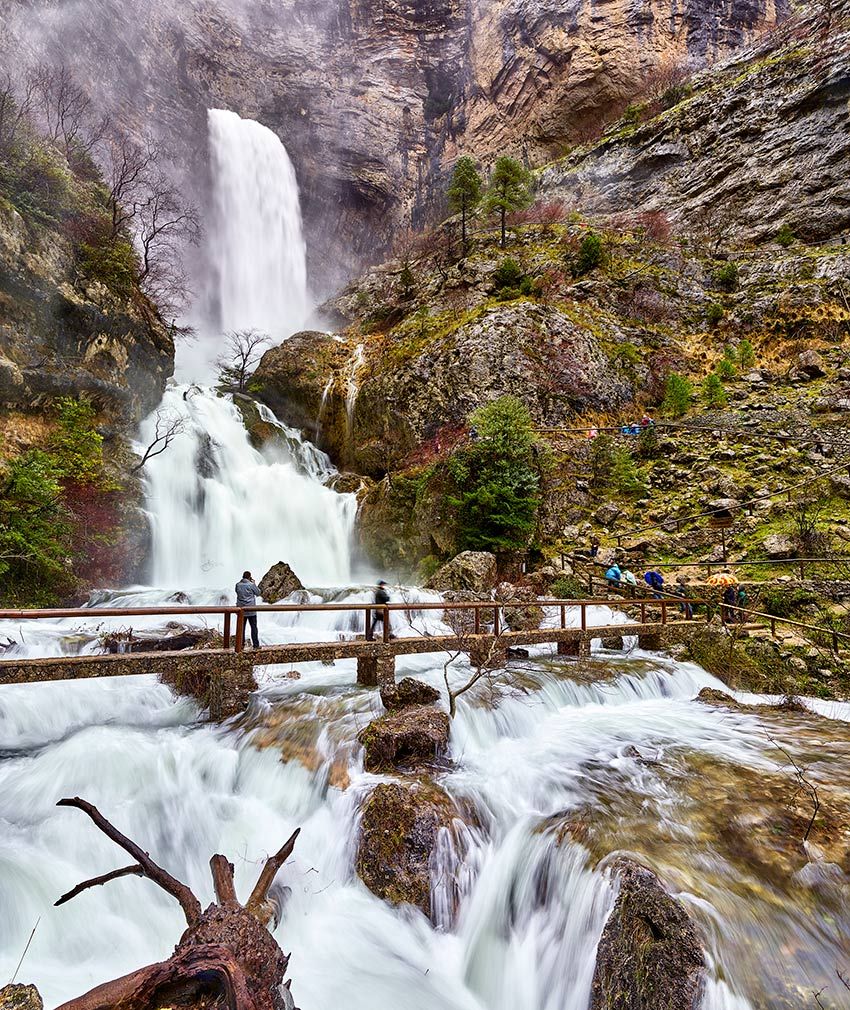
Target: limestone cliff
(374,98)
(763,141)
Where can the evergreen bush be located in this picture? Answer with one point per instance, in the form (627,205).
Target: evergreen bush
(713,391)
(496,479)
(677,395)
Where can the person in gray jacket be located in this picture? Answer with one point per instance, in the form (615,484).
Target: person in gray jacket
(247,592)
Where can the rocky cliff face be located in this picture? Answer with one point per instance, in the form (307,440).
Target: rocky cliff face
(764,141)
(66,335)
(373,98)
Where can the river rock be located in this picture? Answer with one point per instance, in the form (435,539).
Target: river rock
(469,570)
(398,832)
(408,693)
(20,997)
(650,955)
(408,738)
(779,545)
(279,582)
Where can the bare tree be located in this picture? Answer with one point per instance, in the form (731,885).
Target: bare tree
(168,426)
(243,350)
(67,112)
(129,166)
(807,517)
(165,225)
(15,110)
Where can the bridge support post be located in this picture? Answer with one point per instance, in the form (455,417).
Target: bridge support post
(375,671)
(486,654)
(651,641)
(568,648)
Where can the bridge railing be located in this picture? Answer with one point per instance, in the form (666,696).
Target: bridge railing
(492,622)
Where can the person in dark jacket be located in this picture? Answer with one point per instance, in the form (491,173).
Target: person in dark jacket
(727,609)
(382,597)
(247,592)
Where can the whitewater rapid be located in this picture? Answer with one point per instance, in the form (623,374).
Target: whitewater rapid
(518,903)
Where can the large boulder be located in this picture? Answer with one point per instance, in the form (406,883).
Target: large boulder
(279,582)
(779,545)
(408,693)
(398,832)
(810,364)
(470,570)
(650,954)
(405,739)
(20,997)
(300,380)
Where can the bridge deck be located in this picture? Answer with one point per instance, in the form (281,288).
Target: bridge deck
(27,671)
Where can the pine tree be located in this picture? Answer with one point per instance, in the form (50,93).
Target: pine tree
(464,192)
(510,190)
(677,395)
(746,354)
(713,391)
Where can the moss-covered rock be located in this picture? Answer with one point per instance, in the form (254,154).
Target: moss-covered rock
(20,997)
(398,832)
(410,738)
(302,380)
(650,954)
(470,570)
(408,693)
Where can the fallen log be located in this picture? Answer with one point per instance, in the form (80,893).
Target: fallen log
(225,960)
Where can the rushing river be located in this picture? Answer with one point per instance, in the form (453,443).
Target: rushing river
(618,744)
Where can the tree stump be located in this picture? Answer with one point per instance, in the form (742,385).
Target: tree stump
(225,960)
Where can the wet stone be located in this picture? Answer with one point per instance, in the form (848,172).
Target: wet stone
(650,954)
(407,739)
(408,692)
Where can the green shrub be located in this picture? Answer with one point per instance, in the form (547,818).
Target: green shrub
(496,479)
(726,277)
(713,314)
(677,395)
(625,477)
(590,254)
(785,236)
(406,283)
(76,446)
(508,274)
(676,93)
(648,443)
(726,366)
(626,354)
(713,391)
(633,113)
(114,265)
(746,354)
(567,587)
(34,531)
(428,566)
(600,459)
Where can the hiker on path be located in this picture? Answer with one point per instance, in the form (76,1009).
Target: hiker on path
(681,589)
(727,609)
(247,592)
(613,576)
(629,578)
(655,580)
(741,600)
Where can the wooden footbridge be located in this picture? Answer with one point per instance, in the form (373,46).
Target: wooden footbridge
(223,677)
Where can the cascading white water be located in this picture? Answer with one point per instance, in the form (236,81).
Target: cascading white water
(256,246)
(519,906)
(219,506)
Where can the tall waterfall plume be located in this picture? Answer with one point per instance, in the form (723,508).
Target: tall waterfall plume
(256,244)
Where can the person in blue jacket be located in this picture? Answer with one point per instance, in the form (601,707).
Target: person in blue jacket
(613,576)
(655,580)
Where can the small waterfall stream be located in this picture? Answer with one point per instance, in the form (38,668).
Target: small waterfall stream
(621,742)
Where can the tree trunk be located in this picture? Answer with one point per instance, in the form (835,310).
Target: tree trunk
(226,959)
(504,233)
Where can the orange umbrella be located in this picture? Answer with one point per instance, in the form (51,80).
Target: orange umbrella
(723,579)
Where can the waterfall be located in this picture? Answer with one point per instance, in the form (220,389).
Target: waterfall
(256,246)
(219,506)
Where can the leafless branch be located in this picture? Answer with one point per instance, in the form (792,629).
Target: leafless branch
(188,902)
(804,786)
(168,427)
